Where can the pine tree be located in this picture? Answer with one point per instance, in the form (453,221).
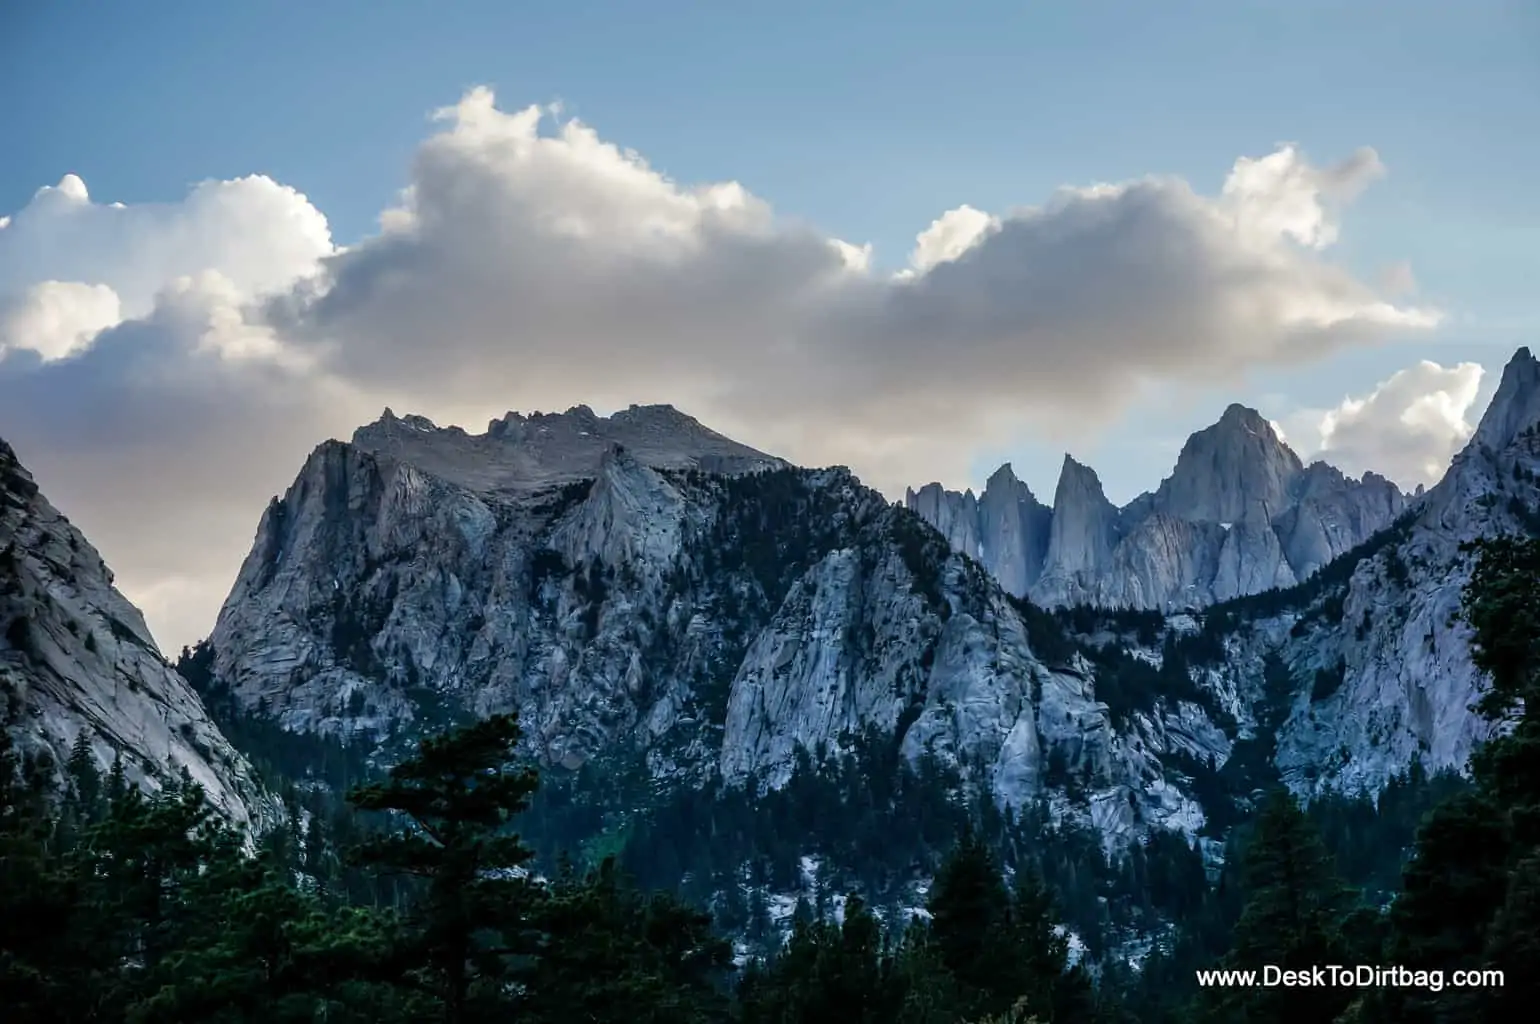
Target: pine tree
(967,906)
(828,972)
(469,933)
(1292,920)
(37,908)
(615,954)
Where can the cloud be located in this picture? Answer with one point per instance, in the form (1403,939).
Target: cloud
(530,263)
(1281,195)
(157,410)
(260,235)
(526,252)
(57,318)
(948,237)
(1407,428)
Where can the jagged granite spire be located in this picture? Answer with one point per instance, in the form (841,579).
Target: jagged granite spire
(1081,538)
(1016,529)
(1516,404)
(955,514)
(1236,470)
(1239,514)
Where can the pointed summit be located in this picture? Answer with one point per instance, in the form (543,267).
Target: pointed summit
(1516,405)
(1013,530)
(1236,414)
(1002,477)
(1235,470)
(1085,524)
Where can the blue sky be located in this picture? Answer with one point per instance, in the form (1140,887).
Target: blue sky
(867,121)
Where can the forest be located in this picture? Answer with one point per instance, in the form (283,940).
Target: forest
(462,887)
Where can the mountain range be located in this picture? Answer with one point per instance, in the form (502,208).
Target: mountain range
(639,585)
(1238,515)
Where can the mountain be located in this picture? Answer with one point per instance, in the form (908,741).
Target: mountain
(1007,513)
(1239,514)
(522,452)
(76,661)
(725,617)
(717,623)
(1391,640)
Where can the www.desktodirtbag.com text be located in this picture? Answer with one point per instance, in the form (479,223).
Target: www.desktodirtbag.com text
(1340,976)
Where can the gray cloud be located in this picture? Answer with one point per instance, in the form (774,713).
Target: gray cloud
(534,268)
(163,442)
(519,261)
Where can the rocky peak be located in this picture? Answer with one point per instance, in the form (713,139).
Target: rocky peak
(1515,406)
(77,662)
(1238,514)
(523,453)
(1085,523)
(1077,483)
(1014,531)
(1236,470)
(955,514)
(1003,478)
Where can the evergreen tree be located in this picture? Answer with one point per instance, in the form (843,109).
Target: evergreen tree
(470,931)
(1292,920)
(829,972)
(614,954)
(1003,948)
(37,906)
(928,992)
(967,906)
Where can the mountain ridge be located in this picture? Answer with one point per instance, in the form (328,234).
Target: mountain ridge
(518,452)
(78,665)
(1239,513)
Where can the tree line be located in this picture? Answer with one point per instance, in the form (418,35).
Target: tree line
(121,905)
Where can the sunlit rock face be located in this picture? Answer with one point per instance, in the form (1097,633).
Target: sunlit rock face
(1409,682)
(671,593)
(666,592)
(1240,514)
(76,660)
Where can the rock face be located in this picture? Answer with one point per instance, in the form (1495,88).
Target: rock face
(1240,514)
(1083,536)
(718,617)
(1235,471)
(77,660)
(1008,514)
(1394,630)
(715,621)
(522,452)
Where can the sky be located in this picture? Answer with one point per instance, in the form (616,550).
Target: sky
(920,240)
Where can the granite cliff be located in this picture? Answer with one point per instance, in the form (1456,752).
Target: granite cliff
(1239,514)
(77,662)
(720,614)
(716,617)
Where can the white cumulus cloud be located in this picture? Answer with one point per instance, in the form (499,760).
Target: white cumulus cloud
(1407,428)
(259,234)
(949,236)
(531,263)
(56,318)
